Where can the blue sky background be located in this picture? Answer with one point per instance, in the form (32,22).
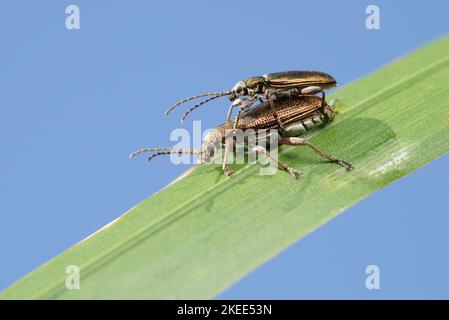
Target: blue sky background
(73,104)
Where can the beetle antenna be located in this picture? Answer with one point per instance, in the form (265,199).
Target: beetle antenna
(193,152)
(166,151)
(136,153)
(184,116)
(218,94)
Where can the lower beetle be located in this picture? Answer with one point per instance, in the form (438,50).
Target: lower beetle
(299,114)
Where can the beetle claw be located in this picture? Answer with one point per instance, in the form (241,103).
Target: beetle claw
(345,165)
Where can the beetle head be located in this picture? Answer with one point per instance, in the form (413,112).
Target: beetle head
(238,90)
(212,142)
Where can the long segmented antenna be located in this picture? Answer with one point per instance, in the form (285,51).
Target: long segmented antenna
(136,153)
(221,93)
(166,151)
(184,116)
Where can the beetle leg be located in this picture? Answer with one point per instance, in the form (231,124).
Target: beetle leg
(248,103)
(271,96)
(296,174)
(229,143)
(243,104)
(228,146)
(228,118)
(295,141)
(234,104)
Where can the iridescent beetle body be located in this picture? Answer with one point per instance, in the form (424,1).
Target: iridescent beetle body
(303,110)
(313,81)
(299,114)
(267,87)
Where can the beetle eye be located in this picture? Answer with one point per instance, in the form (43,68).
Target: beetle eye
(241,90)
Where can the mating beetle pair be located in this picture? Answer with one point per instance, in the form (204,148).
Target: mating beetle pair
(267,87)
(287,103)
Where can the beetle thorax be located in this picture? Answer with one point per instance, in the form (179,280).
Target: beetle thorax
(254,84)
(246,87)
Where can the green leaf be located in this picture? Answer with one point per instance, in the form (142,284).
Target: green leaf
(204,232)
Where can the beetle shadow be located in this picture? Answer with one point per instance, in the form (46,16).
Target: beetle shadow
(350,140)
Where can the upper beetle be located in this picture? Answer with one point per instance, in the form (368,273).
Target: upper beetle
(268,87)
(303,82)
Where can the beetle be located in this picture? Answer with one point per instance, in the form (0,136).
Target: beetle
(299,113)
(267,87)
